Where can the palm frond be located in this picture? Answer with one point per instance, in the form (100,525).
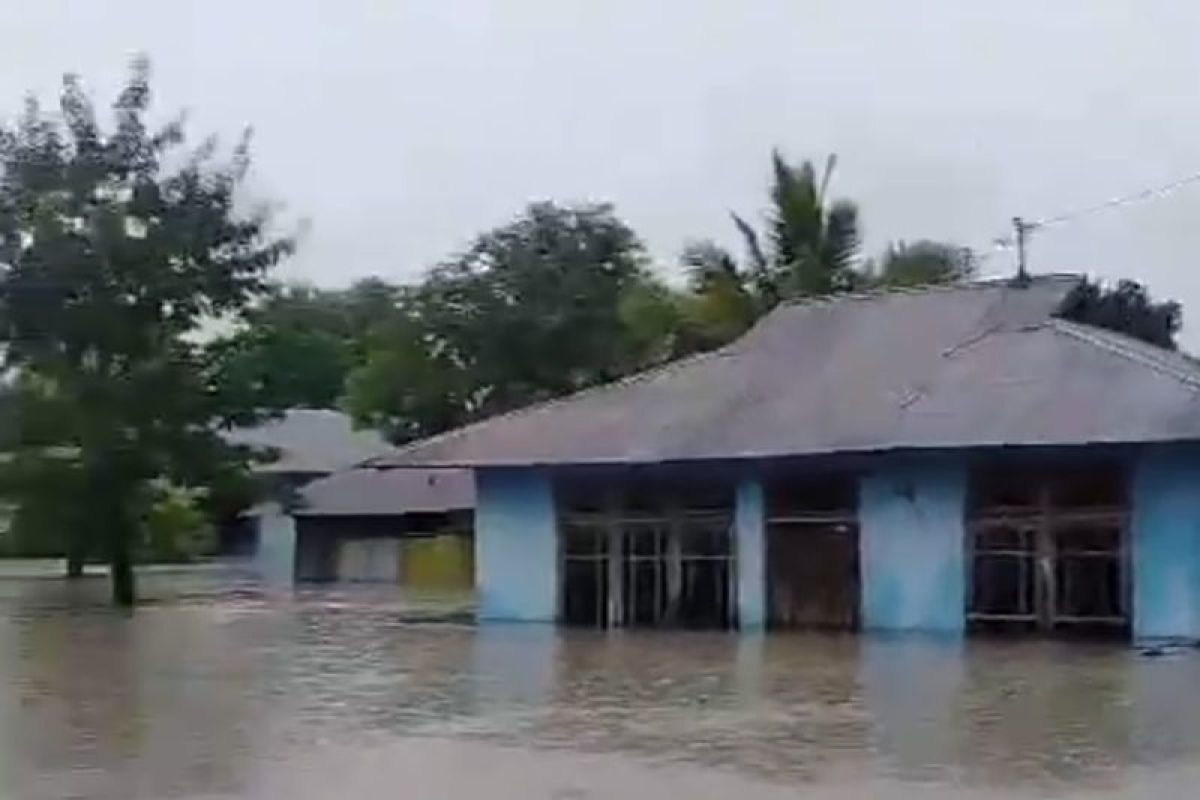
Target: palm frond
(826,177)
(841,242)
(758,258)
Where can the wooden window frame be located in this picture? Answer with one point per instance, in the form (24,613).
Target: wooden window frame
(616,521)
(1045,518)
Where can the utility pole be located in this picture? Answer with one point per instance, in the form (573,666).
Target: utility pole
(1022,229)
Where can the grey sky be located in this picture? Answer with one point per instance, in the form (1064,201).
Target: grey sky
(402,128)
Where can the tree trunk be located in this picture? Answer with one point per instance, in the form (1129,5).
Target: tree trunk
(76,553)
(120,551)
(124,592)
(113,488)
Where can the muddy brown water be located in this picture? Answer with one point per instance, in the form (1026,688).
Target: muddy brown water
(217,689)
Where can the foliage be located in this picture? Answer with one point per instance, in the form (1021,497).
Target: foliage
(812,241)
(922,263)
(810,248)
(46,519)
(298,346)
(408,386)
(653,324)
(1126,308)
(294,351)
(532,310)
(115,247)
(559,299)
(720,304)
(175,526)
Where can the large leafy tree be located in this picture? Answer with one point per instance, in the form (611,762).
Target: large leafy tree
(115,246)
(294,350)
(533,309)
(299,344)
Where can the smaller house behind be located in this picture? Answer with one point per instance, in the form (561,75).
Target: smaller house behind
(308,444)
(406,526)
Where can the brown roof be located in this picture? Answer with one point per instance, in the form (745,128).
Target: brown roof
(974,365)
(363,491)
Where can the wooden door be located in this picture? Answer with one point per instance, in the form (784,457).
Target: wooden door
(813,575)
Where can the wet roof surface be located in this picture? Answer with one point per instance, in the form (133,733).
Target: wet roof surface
(967,366)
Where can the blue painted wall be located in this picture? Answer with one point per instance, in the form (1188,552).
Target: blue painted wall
(749,527)
(275,558)
(1166,546)
(516,545)
(912,546)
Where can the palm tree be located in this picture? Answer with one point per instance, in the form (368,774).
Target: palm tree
(812,242)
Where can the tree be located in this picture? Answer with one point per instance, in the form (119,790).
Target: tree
(721,303)
(812,241)
(653,323)
(42,524)
(115,247)
(294,350)
(1126,308)
(533,309)
(299,345)
(922,263)
(810,248)
(176,527)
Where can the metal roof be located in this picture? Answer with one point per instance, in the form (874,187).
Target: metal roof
(973,365)
(311,442)
(364,491)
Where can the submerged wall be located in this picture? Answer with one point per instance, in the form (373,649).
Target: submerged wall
(911,546)
(516,545)
(1165,529)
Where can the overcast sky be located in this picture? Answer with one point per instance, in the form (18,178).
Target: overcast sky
(400,129)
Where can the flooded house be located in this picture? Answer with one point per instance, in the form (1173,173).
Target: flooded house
(306,444)
(411,527)
(948,460)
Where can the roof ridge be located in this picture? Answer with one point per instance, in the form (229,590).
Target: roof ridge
(1121,345)
(589,391)
(921,288)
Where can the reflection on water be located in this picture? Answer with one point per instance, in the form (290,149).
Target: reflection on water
(218,690)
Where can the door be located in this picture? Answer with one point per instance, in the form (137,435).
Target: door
(813,578)
(813,575)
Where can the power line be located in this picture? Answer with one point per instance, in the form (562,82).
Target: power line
(1145,195)
(1022,228)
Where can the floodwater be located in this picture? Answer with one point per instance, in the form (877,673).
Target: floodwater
(216,689)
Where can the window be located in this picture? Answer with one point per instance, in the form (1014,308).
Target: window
(1005,564)
(653,554)
(585,574)
(1048,548)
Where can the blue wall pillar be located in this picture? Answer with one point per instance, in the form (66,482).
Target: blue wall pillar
(275,558)
(516,545)
(911,547)
(1165,538)
(749,526)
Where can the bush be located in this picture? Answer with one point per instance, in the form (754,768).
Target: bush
(176,528)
